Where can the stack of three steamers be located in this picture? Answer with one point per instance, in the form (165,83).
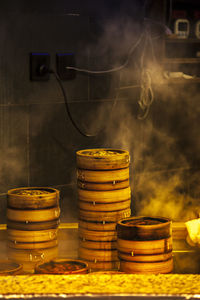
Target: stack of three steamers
(104,198)
(33,216)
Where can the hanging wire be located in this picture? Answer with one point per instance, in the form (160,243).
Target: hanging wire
(133,47)
(69,112)
(146,91)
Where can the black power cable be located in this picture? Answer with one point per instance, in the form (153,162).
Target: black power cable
(67,105)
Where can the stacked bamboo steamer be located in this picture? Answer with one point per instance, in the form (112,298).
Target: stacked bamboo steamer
(104,198)
(145,245)
(32,223)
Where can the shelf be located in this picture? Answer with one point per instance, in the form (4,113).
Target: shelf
(180,81)
(183,41)
(181,61)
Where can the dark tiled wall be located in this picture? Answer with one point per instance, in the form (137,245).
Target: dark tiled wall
(37,140)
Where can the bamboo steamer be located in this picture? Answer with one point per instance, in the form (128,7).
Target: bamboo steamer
(33,197)
(100,216)
(32,255)
(98,255)
(115,185)
(162,267)
(8,267)
(62,266)
(97,245)
(104,196)
(101,176)
(37,245)
(39,215)
(104,207)
(179,231)
(103,265)
(32,236)
(33,226)
(97,225)
(144,228)
(102,159)
(145,258)
(100,236)
(145,247)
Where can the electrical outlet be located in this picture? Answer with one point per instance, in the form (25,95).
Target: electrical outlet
(39,66)
(64,60)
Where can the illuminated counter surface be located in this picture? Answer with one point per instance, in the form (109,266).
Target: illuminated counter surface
(102,286)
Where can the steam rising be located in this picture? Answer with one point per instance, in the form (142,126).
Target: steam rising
(163,147)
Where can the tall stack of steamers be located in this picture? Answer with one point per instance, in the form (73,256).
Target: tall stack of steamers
(104,198)
(32,224)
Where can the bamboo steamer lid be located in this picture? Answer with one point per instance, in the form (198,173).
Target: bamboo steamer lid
(145,258)
(102,176)
(32,255)
(100,216)
(112,196)
(144,247)
(104,207)
(115,185)
(97,225)
(97,245)
(33,197)
(8,267)
(62,266)
(33,225)
(98,255)
(144,228)
(102,159)
(93,235)
(103,265)
(32,236)
(39,215)
(37,245)
(162,267)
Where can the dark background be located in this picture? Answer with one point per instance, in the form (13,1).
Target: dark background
(38,143)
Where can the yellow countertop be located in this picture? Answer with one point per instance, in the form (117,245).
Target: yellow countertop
(100,284)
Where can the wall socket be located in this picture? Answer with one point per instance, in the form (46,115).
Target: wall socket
(39,66)
(64,60)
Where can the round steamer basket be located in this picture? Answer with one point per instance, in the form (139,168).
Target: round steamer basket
(103,265)
(97,225)
(37,245)
(100,236)
(33,226)
(39,215)
(32,236)
(62,266)
(98,255)
(33,197)
(108,176)
(115,185)
(32,255)
(102,159)
(162,267)
(104,196)
(8,267)
(97,245)
(144,247)
(103,216)
(104,207)
(144,228)
(145,258)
